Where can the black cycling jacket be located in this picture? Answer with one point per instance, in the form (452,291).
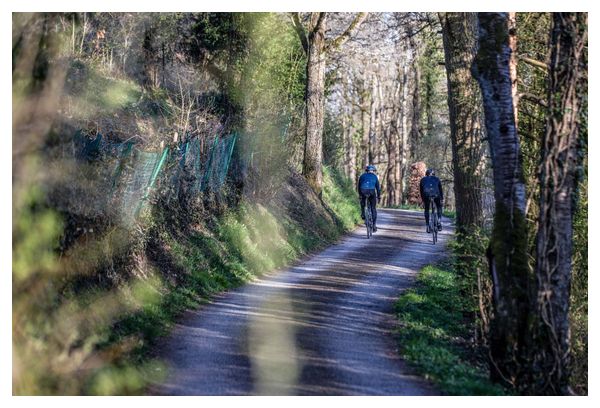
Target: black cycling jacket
(435,180)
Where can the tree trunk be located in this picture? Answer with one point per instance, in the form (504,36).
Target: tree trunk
(315,93)
(366,120)
(352,156)
(392,147)
(404,133)
(345,144)
(512,42)
(397,163)
(459,32)
(316,49)
(558,178)
(415,121)
(415,126)
(508,246)
(373,121)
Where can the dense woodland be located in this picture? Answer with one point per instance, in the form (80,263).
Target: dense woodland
(496,103)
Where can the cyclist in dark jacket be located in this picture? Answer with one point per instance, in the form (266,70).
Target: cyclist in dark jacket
(368,188)
(431,186)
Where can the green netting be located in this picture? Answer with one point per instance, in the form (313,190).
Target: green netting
(218,164)
(194,155)
(135,181)
(155,172)
(135,173)
(174,170)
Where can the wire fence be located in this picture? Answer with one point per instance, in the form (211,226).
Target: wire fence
(191,166)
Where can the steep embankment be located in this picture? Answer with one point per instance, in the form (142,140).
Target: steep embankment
(107,283)
(193,263)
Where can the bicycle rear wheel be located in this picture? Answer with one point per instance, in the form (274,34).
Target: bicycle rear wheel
(368,222)
(433,221)
(435,229)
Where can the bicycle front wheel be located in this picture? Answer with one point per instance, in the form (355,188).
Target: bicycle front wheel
(435,229)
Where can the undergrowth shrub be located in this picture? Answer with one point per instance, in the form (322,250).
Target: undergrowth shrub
(434,334)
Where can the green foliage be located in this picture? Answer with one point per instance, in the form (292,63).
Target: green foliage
(469,262)
(333,142)
(410,207)
(340,196)
(432,76)
(272,89)
(579,294)
(35,235)
(95,94)
(59,318)
(433,334)
(449,213)
(257,239)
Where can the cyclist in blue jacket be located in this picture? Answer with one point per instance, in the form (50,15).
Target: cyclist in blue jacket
(368,188)
(431,186)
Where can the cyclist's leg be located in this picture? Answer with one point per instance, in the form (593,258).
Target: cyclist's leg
(373,204)
(362,205)
(438,204)
(426,202)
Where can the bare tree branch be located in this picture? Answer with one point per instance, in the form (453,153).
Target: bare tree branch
(316,21)
(299,30)
(352,28)
(535,63)
(532,98)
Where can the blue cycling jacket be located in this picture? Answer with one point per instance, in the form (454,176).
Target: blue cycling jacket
(369,181)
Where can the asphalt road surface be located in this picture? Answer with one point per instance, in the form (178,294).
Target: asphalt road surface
(322,327)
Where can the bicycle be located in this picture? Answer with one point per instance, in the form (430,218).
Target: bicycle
(368,220)
(433,219)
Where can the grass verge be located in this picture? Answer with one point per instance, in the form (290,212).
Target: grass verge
(433,334)
(445,212)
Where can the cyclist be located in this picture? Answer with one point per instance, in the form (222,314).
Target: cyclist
(368,188)
(431,186)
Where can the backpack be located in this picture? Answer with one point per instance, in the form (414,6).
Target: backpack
(430,187)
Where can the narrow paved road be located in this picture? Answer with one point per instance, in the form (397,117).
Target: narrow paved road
(323,327)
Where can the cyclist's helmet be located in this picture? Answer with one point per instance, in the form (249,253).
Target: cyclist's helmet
(430,172)
(370,167)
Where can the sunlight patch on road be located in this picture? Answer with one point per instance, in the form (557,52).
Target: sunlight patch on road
(272,347)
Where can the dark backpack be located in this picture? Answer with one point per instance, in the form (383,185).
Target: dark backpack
(430,187)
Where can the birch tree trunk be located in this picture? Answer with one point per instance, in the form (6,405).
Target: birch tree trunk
(508,246)
(459,32)
(558,178)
